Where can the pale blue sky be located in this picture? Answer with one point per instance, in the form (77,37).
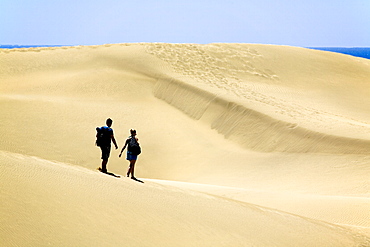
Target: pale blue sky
(344,23)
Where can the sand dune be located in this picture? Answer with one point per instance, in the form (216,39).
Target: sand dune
(63,205)
(243,145)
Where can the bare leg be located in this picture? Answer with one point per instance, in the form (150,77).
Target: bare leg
(131,169)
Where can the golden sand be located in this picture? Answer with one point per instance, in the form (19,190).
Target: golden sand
(243,145)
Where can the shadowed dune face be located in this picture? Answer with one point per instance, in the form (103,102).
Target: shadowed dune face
(269,121)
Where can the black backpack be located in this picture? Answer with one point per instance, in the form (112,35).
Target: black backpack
(134,147)
(100,136)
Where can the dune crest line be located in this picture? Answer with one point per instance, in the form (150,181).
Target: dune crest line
(252,129)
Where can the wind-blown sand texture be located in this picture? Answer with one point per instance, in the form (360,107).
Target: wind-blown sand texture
(243,145)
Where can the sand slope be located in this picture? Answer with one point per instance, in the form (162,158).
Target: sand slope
(63,205)
(280,127)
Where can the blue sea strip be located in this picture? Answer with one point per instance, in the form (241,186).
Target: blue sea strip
(363,52)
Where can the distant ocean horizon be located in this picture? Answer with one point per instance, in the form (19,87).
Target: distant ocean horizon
(363,52)
(27,46)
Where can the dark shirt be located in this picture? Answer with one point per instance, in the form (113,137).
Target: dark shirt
(107,135)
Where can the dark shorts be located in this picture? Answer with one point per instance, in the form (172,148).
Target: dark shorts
(105,152)
(131,156)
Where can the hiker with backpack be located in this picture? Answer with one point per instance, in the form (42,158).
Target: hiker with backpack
(133,150)
(104,137)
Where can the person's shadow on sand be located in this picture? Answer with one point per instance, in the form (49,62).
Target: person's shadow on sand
(137,180)
(117,176)
(109,173)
